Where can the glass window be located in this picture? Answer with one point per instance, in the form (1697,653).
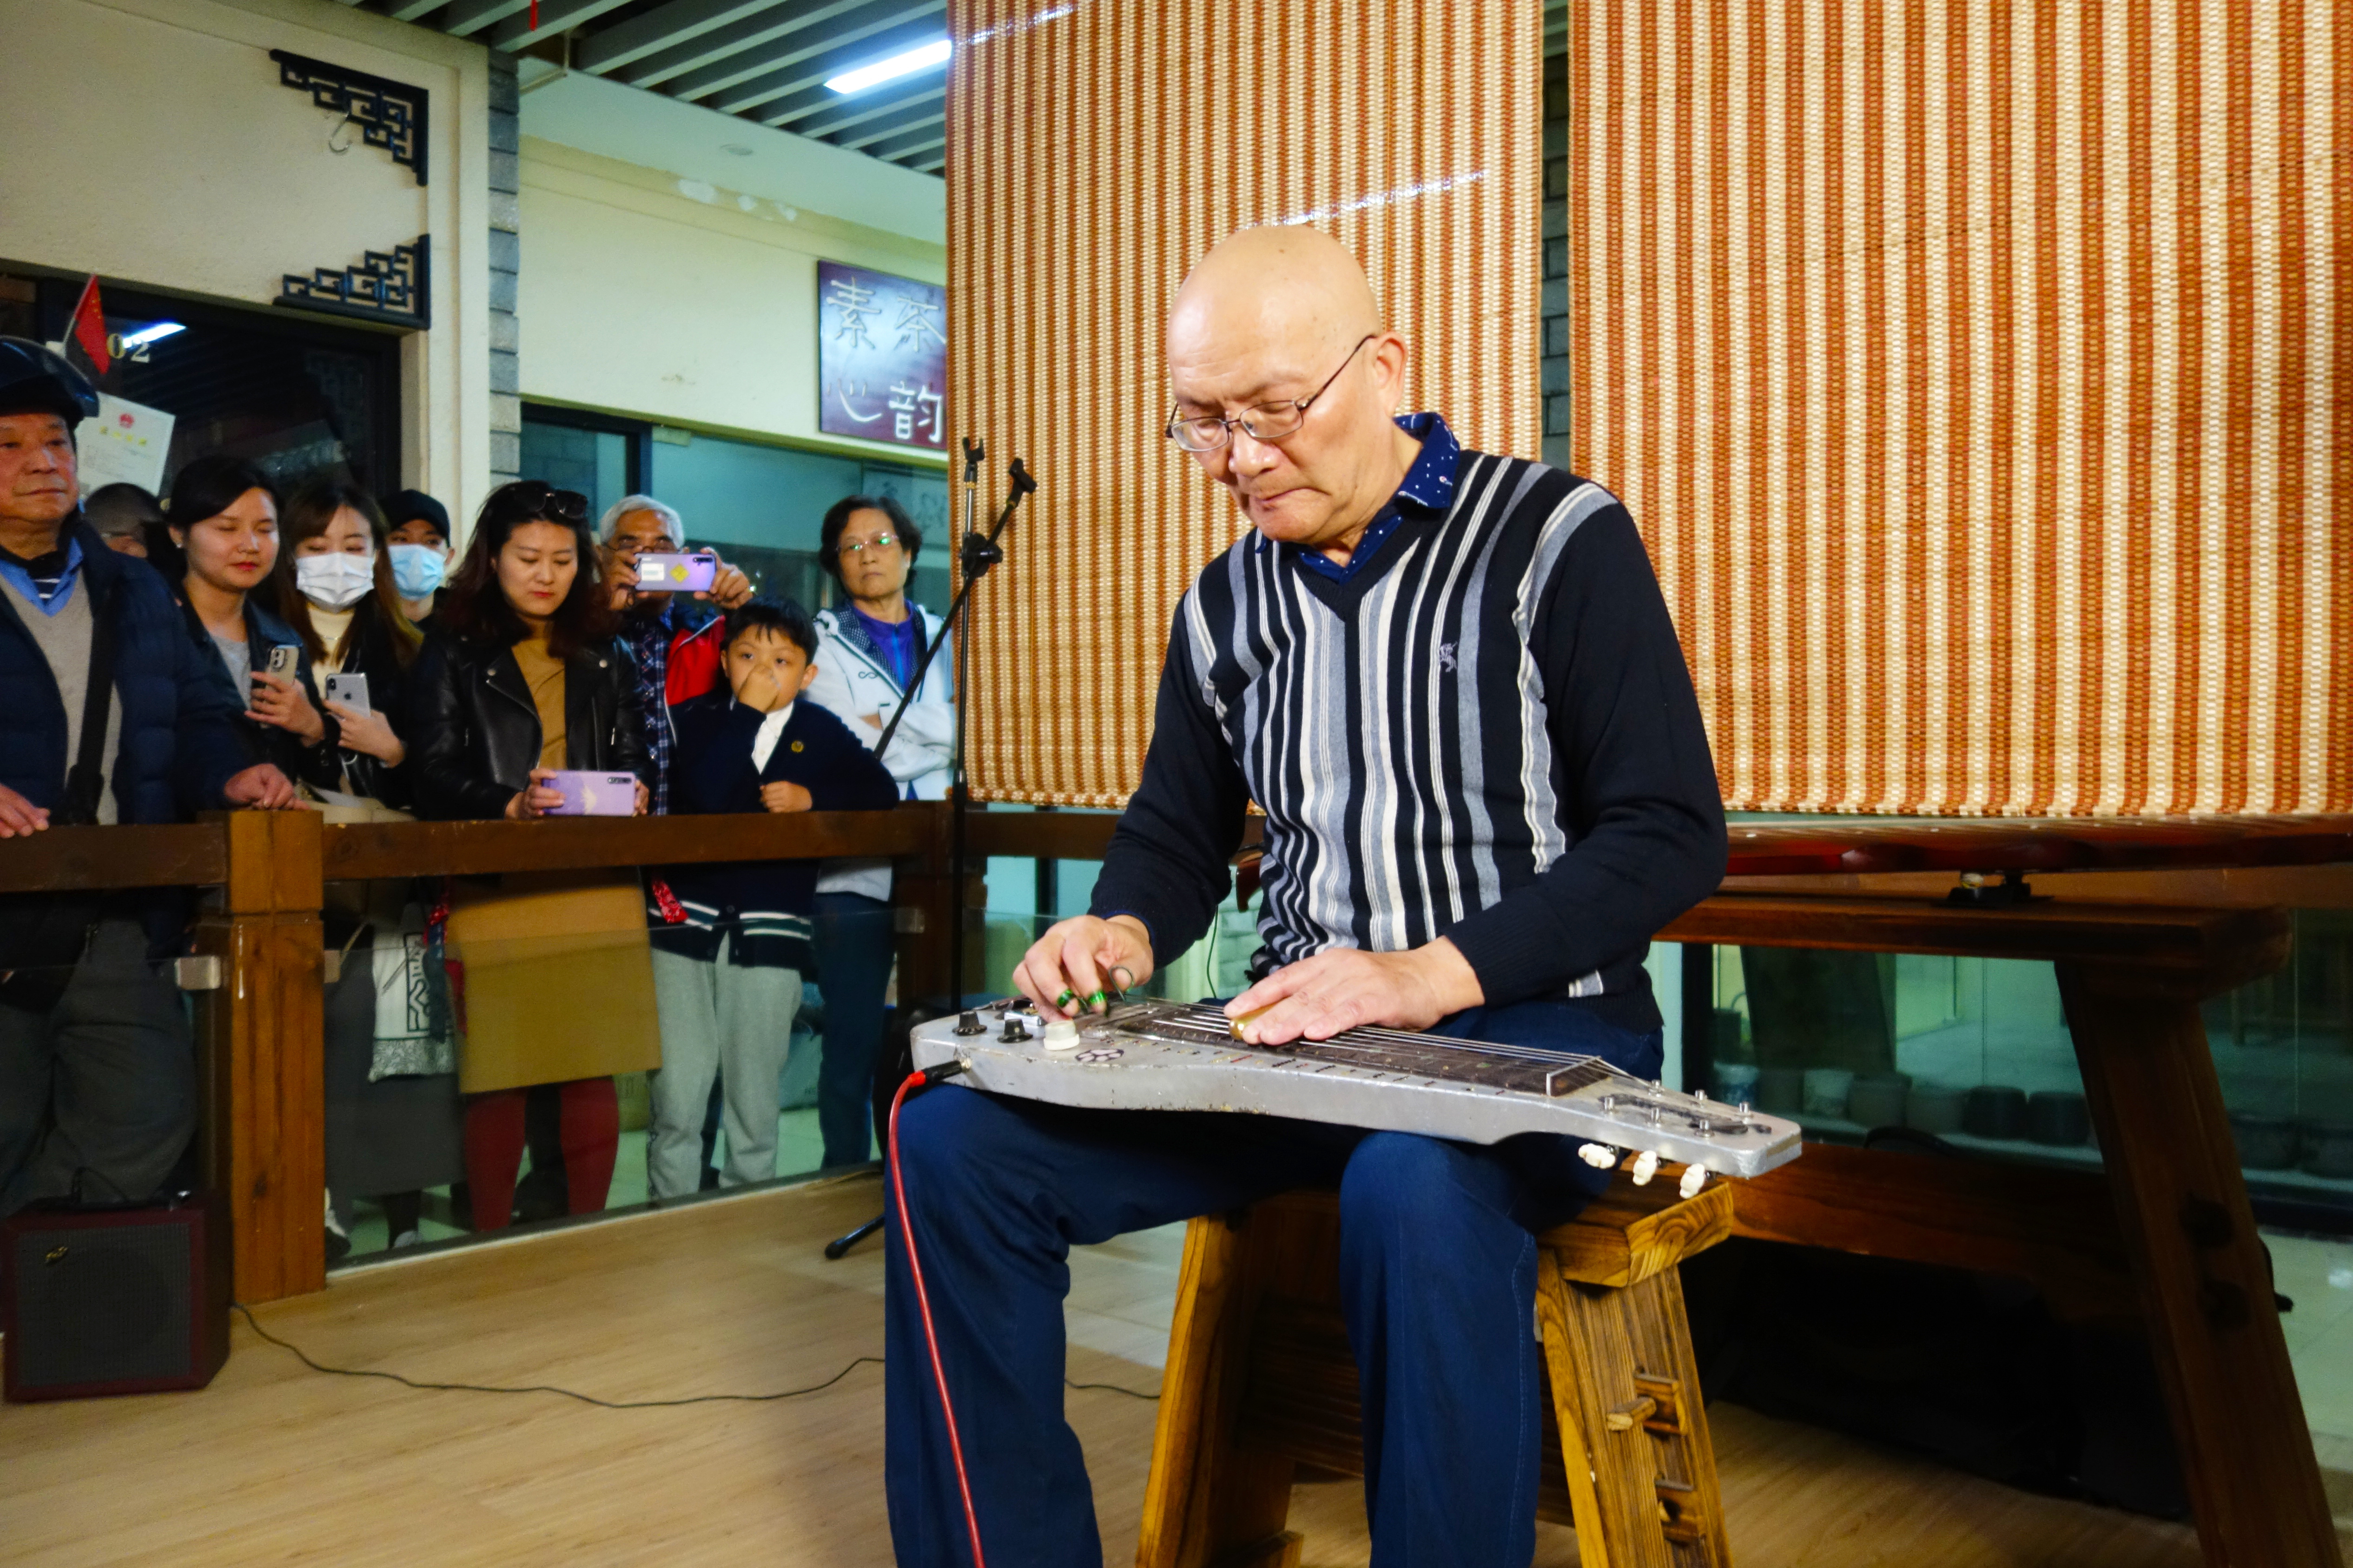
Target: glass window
(299,397)
(600,463)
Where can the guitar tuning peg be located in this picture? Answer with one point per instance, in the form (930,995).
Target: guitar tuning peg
(1646,1165)
(1694,1178)
(1601,1156)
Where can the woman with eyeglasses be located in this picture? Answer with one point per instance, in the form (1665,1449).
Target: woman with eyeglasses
(224,546)
(520,677)
(867,654)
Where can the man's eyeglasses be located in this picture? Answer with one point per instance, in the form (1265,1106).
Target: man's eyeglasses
(1263,421)
(852,552)
(537,498)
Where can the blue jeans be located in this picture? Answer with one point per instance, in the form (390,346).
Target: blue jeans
(853,969)
(1437,1279)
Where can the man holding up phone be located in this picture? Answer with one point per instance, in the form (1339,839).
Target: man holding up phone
(675,640)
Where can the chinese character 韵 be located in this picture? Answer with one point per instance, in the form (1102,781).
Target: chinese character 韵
(918,408)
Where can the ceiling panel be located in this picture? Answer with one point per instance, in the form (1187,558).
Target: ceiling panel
(765,61)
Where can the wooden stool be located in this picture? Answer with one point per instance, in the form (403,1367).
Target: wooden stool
(1260,1381)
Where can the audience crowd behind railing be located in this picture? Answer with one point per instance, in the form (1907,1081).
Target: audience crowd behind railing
(236,648)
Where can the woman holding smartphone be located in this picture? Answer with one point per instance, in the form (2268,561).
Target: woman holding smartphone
(336,591)
(394,1120)
(520,677)
(223,521)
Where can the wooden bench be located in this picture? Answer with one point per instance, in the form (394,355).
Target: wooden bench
(1260,1381)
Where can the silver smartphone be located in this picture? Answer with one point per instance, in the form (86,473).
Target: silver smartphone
(351,690)
(284,659)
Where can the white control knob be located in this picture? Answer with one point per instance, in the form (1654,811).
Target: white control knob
(1062,1035)
(1694,1178)
(1646,1165)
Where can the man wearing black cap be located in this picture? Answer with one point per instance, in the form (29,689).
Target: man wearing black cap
(418,532)
(109,712)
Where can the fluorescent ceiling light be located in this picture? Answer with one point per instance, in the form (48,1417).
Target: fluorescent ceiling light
(155,333)
(913,60)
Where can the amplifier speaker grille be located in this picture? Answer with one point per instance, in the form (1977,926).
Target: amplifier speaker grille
(103,1306)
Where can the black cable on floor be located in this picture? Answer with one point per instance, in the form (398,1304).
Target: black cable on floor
(302,1356)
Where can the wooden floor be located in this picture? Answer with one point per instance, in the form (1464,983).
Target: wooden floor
(277,1464)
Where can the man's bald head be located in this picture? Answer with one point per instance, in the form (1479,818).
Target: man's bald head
(1277,315)
(1287,286)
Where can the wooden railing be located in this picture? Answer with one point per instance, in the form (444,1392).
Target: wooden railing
(2175,1244)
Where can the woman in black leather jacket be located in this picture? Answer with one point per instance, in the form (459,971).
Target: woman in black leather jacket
(522,636)
(520,676)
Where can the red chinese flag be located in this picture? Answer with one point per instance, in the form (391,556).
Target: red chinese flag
(89,328)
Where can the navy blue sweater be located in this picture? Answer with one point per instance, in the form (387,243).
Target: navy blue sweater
(765,904)
(1484,731)
(179,739)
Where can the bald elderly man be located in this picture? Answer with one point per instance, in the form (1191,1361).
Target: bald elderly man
(1449,681)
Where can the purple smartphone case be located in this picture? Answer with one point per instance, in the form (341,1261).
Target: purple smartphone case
(588,793)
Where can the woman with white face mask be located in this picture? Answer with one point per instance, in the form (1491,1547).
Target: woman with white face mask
(394,1123)
(335,589)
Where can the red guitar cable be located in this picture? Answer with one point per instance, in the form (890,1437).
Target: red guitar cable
(923,1079)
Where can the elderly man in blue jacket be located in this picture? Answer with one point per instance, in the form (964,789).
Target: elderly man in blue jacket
(96,1072)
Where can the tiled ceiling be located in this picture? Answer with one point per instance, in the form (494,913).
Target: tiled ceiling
(763,60)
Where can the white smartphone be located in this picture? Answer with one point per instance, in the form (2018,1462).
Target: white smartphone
(351,690)
(284,659)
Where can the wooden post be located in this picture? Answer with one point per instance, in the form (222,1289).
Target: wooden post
(264,1142)
(922,891)
(2190,1235)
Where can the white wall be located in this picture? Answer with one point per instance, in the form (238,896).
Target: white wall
(148,141)
(665,297)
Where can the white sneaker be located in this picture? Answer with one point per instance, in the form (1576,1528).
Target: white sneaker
(407,1239)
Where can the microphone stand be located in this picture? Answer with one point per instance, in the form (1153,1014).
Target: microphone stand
(977,554)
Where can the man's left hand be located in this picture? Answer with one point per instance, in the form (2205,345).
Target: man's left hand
(730,589)
(1343,988)
(261,786)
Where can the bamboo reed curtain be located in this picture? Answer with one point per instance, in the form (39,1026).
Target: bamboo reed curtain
(1980,372)
(1096,149)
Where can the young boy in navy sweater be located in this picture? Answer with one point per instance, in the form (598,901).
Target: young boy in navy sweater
(731,941)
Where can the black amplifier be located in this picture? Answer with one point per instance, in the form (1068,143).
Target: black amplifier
(113,1300)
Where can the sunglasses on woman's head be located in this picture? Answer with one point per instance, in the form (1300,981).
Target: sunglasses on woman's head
(537,498)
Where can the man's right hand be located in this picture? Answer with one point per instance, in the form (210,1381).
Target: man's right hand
(19,816)
(262,787)
(1075,960)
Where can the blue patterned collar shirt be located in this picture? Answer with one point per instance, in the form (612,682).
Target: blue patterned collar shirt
(1428,489)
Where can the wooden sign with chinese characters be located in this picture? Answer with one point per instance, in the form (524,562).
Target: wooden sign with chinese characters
(882,356)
